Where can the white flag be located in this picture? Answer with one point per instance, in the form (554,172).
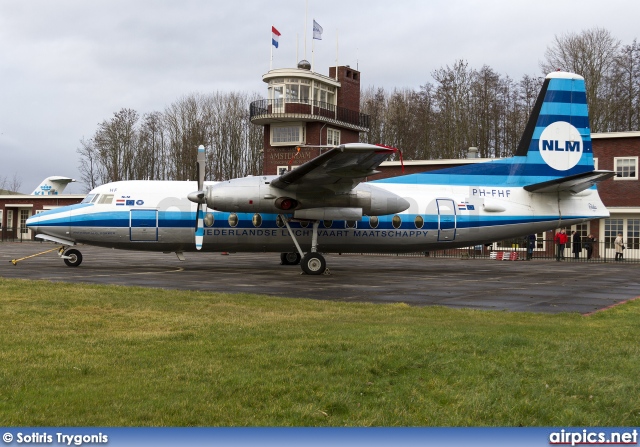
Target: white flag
(317,31)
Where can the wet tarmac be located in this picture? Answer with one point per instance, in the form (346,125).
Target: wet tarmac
(535,286)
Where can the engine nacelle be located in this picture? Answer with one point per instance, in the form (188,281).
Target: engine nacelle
(256,195)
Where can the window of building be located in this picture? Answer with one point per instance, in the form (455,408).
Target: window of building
(24,215)
(633,234)
(282,169)
(287,135)
(626,168)
(324,96)
(10,219)
(333,137)
(611,229)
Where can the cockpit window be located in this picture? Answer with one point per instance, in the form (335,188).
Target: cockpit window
(88,198)
(95,199)
(106,199)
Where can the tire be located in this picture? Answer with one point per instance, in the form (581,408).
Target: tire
(76,258)
(290,258)
(313,264)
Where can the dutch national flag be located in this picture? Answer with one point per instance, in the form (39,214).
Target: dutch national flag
(275,34)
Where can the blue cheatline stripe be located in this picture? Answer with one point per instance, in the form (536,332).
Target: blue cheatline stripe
(464,219)
(508,172)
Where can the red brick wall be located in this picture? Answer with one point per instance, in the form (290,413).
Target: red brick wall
(617,192)
(348,95)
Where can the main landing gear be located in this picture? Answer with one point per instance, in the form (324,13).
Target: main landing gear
(312,263)
(70,256)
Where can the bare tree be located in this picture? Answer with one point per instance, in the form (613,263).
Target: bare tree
(624,82)
(89,165)
(591,54)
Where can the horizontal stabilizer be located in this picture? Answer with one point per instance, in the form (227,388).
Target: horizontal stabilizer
(573,183)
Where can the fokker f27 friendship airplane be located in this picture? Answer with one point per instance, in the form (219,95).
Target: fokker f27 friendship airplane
(322,206)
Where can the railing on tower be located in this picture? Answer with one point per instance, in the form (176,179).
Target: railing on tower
(302,107)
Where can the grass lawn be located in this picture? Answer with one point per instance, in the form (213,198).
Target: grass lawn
(86,355)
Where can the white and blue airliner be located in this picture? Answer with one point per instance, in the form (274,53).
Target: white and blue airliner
(324,206)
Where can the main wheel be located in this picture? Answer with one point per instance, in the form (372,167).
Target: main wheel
(75,258)
(290,258)
(313,264)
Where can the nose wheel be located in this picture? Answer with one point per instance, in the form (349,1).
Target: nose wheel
(72,257)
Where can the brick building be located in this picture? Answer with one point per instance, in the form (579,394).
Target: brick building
(15,209)
(307,110)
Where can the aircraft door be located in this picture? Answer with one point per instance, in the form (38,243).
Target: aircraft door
(446,219)
(143,225)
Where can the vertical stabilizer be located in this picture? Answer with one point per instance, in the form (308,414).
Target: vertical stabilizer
(52,186)
(558,136)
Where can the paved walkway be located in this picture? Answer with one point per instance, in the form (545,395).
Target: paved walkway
(536,286)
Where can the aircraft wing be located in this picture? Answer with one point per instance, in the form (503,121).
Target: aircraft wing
(338,170)
(572,183)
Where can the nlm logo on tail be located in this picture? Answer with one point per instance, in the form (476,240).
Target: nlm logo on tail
(561,146)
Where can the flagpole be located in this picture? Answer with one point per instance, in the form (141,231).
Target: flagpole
(306,11)
(336,54)
(313,45)
(271,46)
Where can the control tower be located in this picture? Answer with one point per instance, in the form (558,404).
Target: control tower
(309,111)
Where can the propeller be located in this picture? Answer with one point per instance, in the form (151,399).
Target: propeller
(198,197)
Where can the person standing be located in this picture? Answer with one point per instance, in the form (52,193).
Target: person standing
(588,245)
(561,242)
(531,245)
(576,244)
(619,243)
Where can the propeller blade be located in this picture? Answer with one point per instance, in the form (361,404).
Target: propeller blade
(201,161)
(199,196)
(199,227)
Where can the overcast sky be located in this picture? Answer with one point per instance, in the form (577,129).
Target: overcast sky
(67,65)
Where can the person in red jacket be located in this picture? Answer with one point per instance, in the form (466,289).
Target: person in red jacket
(561,241)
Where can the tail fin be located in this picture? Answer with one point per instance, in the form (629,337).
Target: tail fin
(558,136)
(554,153)
(52,186)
